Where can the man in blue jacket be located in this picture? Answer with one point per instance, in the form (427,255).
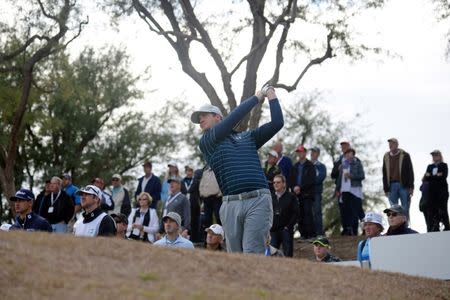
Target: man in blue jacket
(26,219)
(149,183)
(246,211)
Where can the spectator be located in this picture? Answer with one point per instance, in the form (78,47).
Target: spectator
(398,221)
(71,190)
(39,198)
(321,173)
(149,184)
(194,200)
(121,222)
(398,175)
(436,176)
(56,207)
(373,227)
(322,251)
(172,228)
(94,221)
(210,196)
(106,202)
(246,212)
(177,202)
(349,192)
(285,214)
(284,162)
(302,181)
(214,237)
(424,203)
(271,168)
(144,223)
(26,219)
(120,196)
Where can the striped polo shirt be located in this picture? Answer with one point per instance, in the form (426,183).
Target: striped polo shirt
(233,156)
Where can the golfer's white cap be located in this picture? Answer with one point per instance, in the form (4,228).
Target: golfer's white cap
(207,108)
(373,217)
(216,229)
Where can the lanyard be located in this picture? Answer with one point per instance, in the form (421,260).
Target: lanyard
(170,200)
(51,198)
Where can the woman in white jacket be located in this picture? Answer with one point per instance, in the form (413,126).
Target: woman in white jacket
(143,221)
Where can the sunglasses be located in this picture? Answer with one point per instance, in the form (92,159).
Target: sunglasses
(115,179)
(393,214)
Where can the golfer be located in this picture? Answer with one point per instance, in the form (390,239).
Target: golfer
(246,211)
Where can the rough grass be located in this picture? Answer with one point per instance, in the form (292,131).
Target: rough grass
(45,266)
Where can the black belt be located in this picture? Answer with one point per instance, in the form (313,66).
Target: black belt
(246,195)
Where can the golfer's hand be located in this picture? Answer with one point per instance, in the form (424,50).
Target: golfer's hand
(260,96)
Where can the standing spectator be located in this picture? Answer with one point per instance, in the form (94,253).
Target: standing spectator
(177,202)
(56,207)
(373,227)
(285,214)
(143,222)
(46,191)
(120,196)
(106,202)
(398,175)
(349,192)
(71,190)
(194,200)
(214,237)
(271,168)
(303,176)
(322,249)
(149,184)
(436,176)
(246,211)
(94,221)
(284,162)
(398,221)
(210,196)
(121,222)
(26,219)
(172,228)
(172,173)
(321,173)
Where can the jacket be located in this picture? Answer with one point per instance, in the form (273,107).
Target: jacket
(32,222)
(153,187)
(181,205)
(403,229)
(308,179)
(406,171)
(62,211)
(356,172)
(286,211)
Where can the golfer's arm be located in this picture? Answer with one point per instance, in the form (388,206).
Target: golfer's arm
(268,130)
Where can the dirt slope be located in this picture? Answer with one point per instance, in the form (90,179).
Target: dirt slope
(44,266)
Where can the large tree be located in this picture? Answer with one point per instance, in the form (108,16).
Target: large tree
(35,31)
(269,31)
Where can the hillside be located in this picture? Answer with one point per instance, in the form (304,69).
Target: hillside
(44,266)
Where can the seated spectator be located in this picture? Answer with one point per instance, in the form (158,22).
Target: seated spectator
(143,222)
(214,237)
(121,221)
(26,219)
(94,221)
(373,227)
(322,251)
(173,238)
(398,221)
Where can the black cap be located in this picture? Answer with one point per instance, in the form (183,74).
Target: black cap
(395,208)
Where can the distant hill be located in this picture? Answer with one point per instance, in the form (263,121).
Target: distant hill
(46,266)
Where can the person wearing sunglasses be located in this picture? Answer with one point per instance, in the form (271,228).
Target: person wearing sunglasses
(398,221)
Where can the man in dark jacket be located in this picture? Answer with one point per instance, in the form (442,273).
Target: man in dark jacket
(398,175)
(149,183)
(398,222)
(26,219)
(301,182)
(285,215)
(192,185)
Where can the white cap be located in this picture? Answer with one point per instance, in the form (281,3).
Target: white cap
(207,108)
(117,176)
(216,229)
(91,190)
(273,153)
(172,164)
(5,227)
(373,217)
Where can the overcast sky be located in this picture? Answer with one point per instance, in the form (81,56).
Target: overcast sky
(405,97)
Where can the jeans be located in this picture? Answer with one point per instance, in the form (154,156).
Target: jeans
(59,227)
(246,223)
(396,191)
(285,238)
(317,213)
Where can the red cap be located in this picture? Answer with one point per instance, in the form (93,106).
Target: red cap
(301,148)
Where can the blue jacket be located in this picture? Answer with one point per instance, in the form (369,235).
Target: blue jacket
(321,173)
(153,187)
(32,222)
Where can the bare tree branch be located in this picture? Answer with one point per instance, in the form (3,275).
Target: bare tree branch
(44,12)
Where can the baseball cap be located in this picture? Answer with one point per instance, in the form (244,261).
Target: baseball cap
(120,218)
(323,241)
(147,163)
(395,208)
(188,167)
(345,141)
(66,176)
(172,164)
(315,149)
(373,217)
(393,140)
(173,216)
(5,227)
(23,194)
(436,151)
(301,148)
(174,179)
(117,176)
(90,190)
(216,229)
(207,108)
(273,153)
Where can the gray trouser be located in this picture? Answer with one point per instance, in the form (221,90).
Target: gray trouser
(246,223)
